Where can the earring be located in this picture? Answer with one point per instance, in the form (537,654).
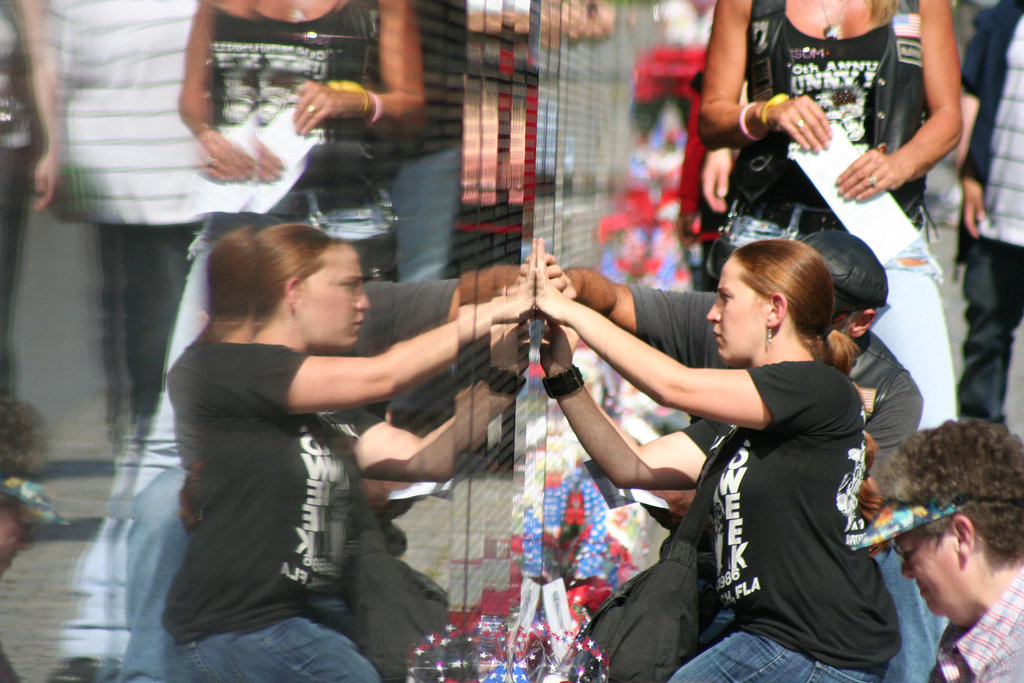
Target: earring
(768,339)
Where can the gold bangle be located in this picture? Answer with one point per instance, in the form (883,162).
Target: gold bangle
(352,87)
(776,99)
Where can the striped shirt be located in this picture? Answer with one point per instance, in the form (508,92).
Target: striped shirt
(120,67)
(990,650)
(1004,191)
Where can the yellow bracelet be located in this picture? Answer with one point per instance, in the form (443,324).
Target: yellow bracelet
(352,87)
(776,99)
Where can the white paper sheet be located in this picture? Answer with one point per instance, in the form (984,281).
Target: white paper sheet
(879,221)
(279,137)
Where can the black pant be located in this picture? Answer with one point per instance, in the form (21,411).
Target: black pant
(144,269)
(16,191)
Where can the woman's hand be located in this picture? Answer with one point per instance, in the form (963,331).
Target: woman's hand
(714,178)
(873,173)
(319,102)
(973,204)
(46,174)
(225,161)
(510,346)
(557,348)
(546,296)
(800,118)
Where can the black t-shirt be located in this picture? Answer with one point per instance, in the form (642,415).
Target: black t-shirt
(272,495)
(839,75)
(785,517)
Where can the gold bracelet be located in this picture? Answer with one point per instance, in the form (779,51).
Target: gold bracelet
(776,99)
(352,87)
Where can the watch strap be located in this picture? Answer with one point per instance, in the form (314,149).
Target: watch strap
(564,383)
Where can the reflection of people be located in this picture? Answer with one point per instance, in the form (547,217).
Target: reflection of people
(116,143)
(993,211)
(790,429)
(346,81)
(885,74)
(26,109)
(956,512)
(24,502)
(246,398)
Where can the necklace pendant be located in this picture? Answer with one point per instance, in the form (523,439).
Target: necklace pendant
(833,32)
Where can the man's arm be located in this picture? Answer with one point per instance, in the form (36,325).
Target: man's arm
(611,300)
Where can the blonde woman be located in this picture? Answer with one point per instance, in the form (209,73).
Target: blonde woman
(886,74)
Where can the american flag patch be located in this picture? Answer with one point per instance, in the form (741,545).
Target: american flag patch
(907,26)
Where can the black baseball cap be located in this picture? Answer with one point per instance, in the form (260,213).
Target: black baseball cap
(857,275)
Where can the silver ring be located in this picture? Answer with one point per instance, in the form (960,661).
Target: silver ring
(209,161)
(874,181)
(800,123)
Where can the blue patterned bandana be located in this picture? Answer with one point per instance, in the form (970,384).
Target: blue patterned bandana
(33,496)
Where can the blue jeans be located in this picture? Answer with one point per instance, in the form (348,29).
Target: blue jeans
(294,650)
(743,656)
(156,548)
(425,195)
(995,304)
(920,630)
(912,324)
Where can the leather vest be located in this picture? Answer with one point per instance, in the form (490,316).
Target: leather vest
(898,91)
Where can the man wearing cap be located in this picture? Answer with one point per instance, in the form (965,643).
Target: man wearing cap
(955,512)
(23,503)
(675,323)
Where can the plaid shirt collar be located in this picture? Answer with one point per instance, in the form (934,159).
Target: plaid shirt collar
(990,650)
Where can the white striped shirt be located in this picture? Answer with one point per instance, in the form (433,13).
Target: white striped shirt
(1004,191)
(120,66)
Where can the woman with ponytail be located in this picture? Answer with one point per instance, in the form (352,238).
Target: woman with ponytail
(789,425)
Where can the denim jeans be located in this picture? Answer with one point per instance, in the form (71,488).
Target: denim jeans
(995,304)
(294,650)
(743,656)
(912,324)
(156,548)
(426,199)
(920,630)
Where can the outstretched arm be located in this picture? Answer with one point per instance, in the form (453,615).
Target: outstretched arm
(387,452)
(669,462)
(336,383)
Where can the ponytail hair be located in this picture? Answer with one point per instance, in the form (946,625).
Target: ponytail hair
(839,350)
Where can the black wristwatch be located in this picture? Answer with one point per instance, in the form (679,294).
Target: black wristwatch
(564,384)
(502,381)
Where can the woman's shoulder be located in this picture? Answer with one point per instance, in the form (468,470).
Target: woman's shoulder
(225,356)
(811,379)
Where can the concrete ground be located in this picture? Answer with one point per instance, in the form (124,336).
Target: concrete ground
(60,372)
